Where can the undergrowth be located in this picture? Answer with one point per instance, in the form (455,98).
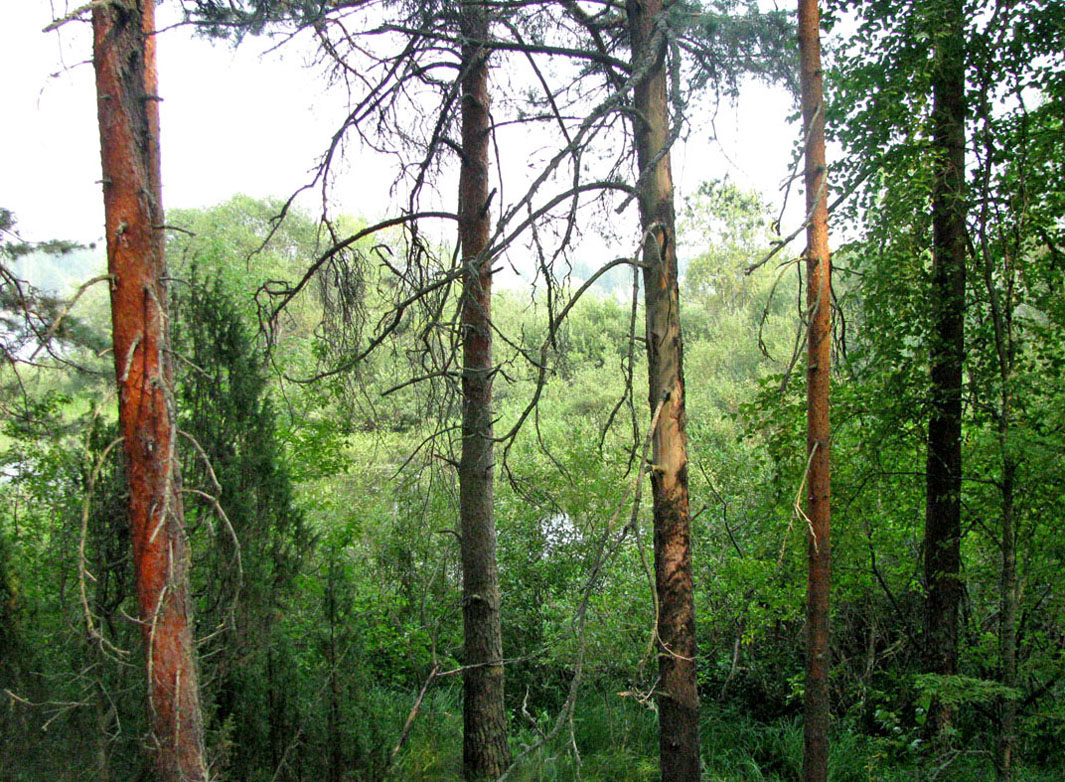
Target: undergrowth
(616,741)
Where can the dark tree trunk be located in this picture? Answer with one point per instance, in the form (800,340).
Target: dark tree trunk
(485,754)
(678,697)
(942,542)
(124,59)
(1007,706)
(818,432)
(1000,288)
(336,746)
(104,717)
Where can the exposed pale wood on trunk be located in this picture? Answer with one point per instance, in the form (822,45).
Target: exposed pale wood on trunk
(678,696)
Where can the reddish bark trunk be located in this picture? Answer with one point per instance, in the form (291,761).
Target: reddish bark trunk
(124,59)
(485,751)
(678,696)
(942,542)
(818,432)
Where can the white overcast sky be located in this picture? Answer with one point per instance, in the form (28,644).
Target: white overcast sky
(241,121)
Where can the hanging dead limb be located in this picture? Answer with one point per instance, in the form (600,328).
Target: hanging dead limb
(83,572)
(213,500)
(628,362)
(609,544)
(286,292)
(520,45)
(60,707)
(422,45)
(411,716)
(780,244)
(66,311)
(80,13)
(542,364)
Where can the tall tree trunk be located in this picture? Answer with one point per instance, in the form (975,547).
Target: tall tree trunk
(277,703)
(942,541)
(1008,610)
(1008,588)
(1002,304)
(124,59)
(336,747)
(678,697)
(485,754)
(104,717)
(818,432)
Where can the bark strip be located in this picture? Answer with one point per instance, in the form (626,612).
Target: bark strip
(678,697)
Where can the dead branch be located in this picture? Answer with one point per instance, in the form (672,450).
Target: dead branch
(603,555)
(83,572)
(66,311)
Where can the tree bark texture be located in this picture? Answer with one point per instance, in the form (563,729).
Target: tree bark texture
(942,541)
(818,431)
(485,752)
(678,698)
(124,60)
(1002,307)
(1007,740)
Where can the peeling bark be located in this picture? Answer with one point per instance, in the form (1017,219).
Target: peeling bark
(678,696)
(124,60)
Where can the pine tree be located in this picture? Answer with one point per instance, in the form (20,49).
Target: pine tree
(128,105)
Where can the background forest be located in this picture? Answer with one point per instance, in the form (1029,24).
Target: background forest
(319,392)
